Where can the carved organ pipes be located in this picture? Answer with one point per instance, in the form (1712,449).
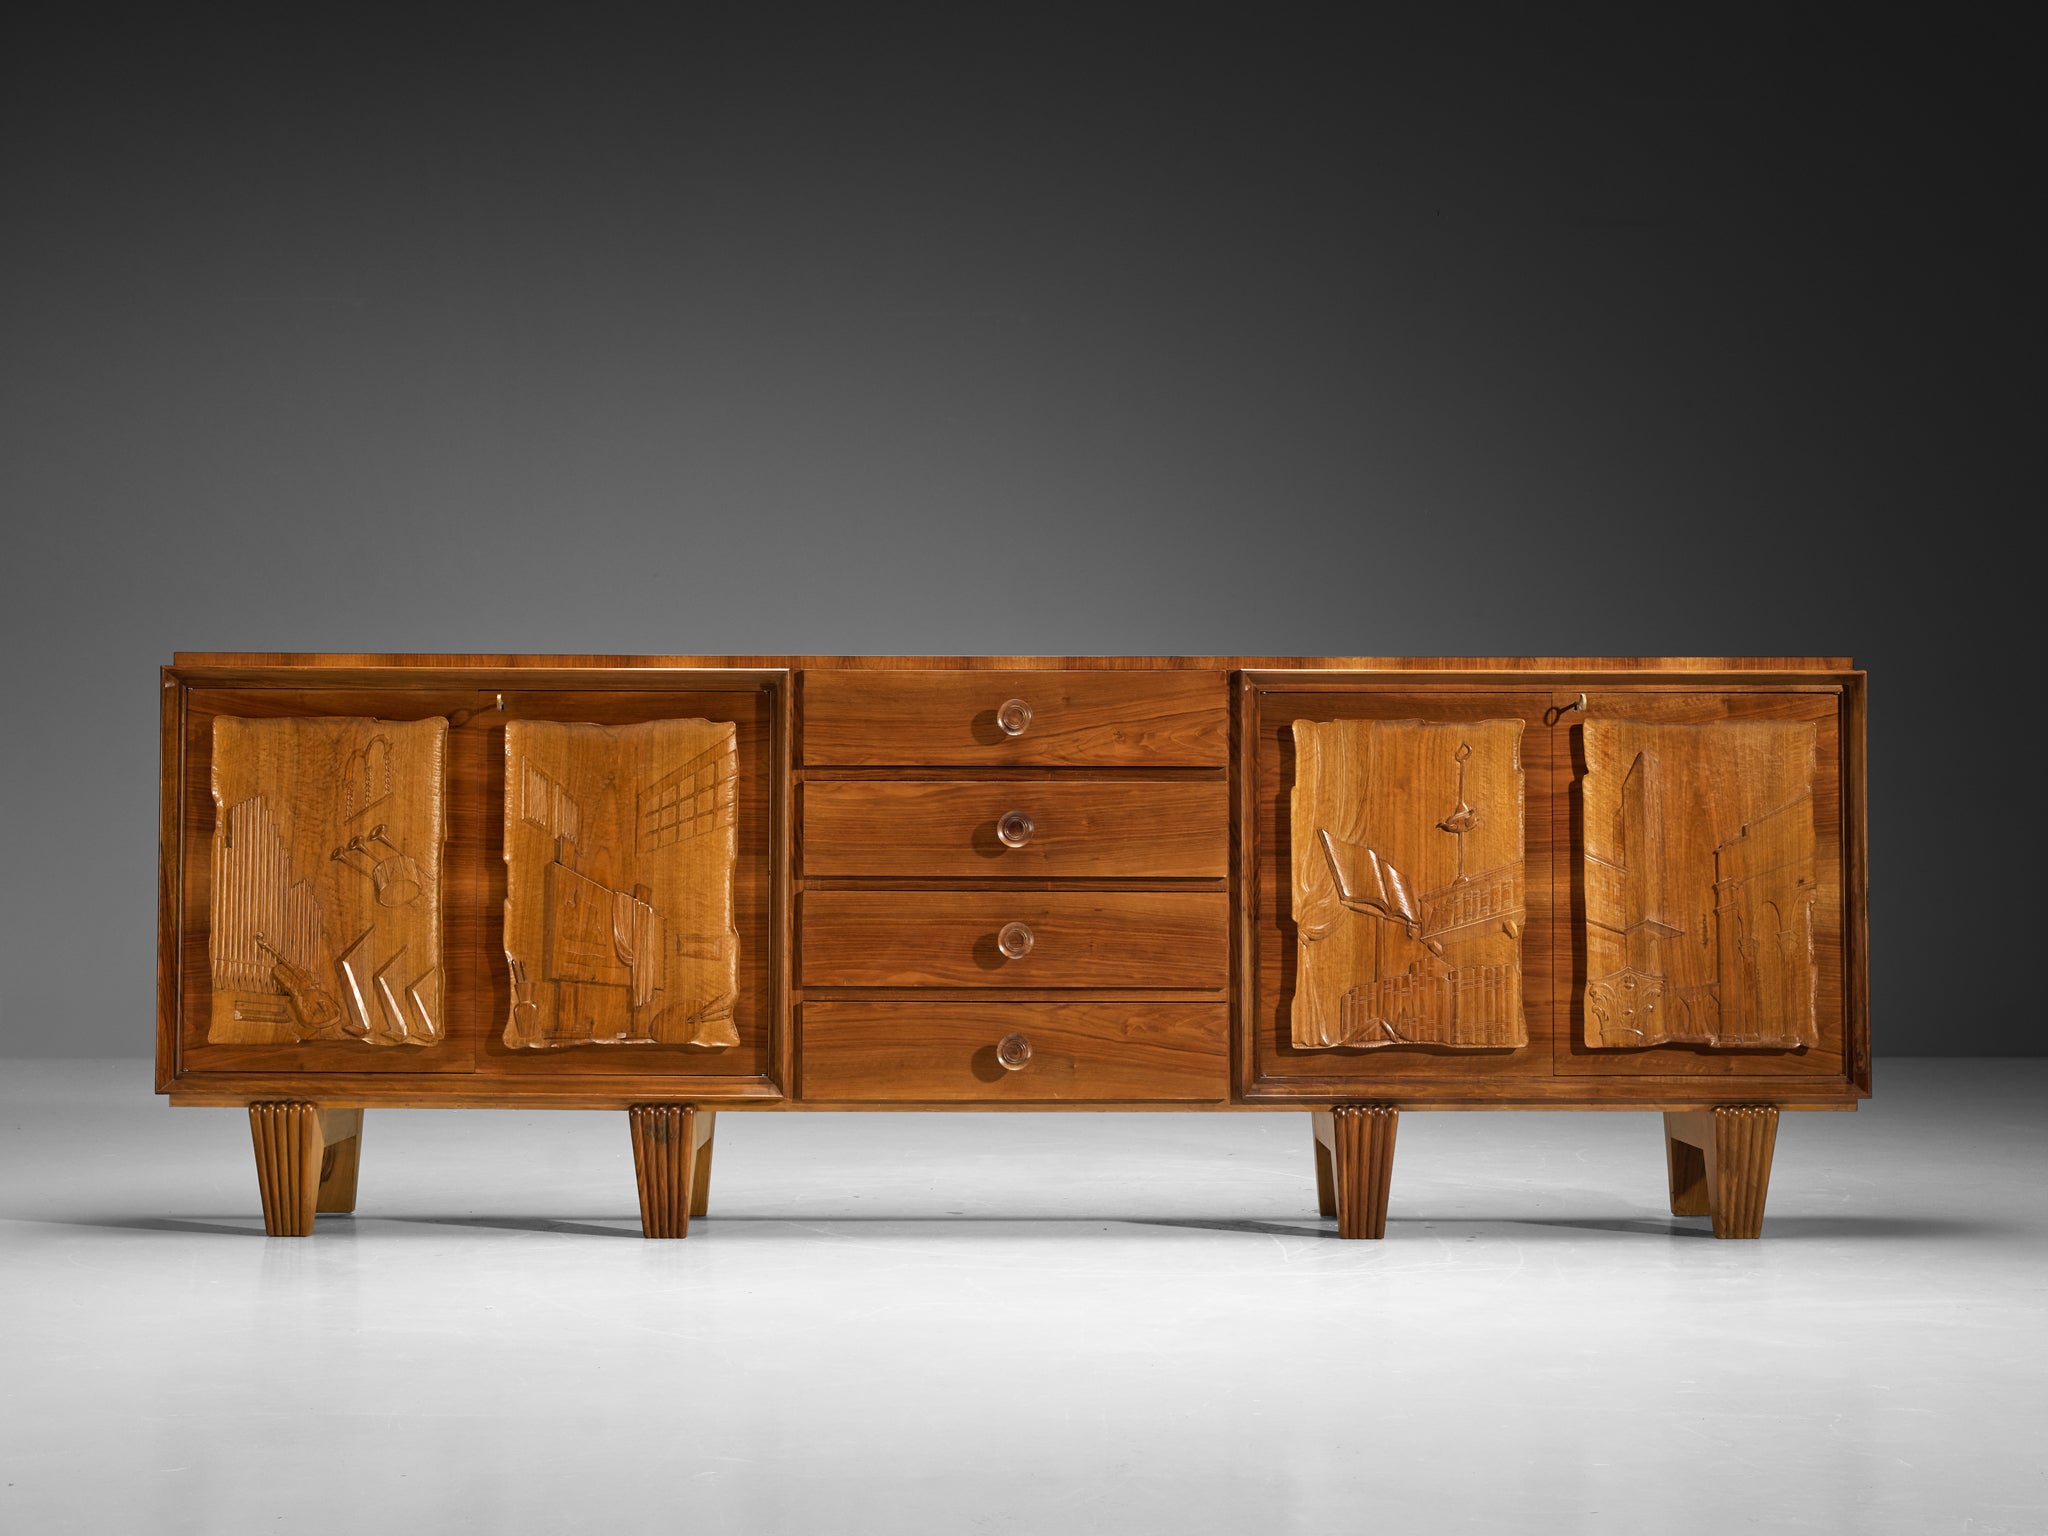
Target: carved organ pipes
(325,917)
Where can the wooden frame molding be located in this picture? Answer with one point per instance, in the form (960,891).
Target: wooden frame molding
(681,886)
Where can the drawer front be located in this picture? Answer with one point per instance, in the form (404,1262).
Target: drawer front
(1070,719)
(955,1052)
(1105,830)
(1074,939)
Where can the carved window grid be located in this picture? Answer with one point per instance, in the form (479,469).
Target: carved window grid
(689,802)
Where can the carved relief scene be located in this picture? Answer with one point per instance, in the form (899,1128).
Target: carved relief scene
(620,846)
(326,903)
(1700,884)
(1408,883)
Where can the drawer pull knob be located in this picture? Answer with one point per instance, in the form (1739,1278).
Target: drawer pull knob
(1015,940)
(1013,717)
(1014,829)
(1014,1053)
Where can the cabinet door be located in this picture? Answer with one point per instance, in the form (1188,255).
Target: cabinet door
(343,858)
(322,909)
(1398,886)
(1705,833)
(633,842)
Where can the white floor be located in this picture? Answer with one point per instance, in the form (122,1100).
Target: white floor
(990,1323)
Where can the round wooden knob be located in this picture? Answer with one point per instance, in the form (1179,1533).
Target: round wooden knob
(1014,1052)
(1014,829)
(1015,940)
(1013,716)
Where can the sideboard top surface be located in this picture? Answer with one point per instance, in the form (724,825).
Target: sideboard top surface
(480,660)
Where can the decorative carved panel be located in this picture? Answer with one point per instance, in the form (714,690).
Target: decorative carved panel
(620,845)
(1408,883)
(326,912)
(1700,884)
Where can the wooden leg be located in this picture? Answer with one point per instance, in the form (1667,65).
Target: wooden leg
(1362,1156)
(1720,1165)
(700,1178)
(1326,1172)
(1686,1165)
(342,1132)
(306,1160)
(664,1147)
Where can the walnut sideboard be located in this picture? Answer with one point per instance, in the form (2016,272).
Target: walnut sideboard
(681,886)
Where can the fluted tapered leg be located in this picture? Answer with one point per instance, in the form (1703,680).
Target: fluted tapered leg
(288,1145)
(664,1147)
(306,1161)
(1361,1143)
(1719,1162)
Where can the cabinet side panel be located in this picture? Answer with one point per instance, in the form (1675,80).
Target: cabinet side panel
(169,876)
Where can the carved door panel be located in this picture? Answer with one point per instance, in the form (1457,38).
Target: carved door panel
(322,912)
(633,847)
(1398,886)
(1704,835)
(357,876)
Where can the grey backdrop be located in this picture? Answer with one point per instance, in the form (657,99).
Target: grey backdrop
(901,334)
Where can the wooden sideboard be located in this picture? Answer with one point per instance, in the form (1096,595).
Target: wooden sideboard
(681,886)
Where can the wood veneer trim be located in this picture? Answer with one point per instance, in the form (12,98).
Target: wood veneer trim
(1856,885)
(517,681)
(587,1099)
(995,997)
(1391,664)
(1023,773)
(170,878)
(1015,883)
(1716,678)
(1244,875)
(783,1058)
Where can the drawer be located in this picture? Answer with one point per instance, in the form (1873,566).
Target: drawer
(1117,830)
(954,1052)
(1074,939)
(1068,719)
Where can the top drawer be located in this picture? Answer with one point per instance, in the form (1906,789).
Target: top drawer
(1067,719)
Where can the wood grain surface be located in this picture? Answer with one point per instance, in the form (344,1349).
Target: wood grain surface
(1079,939)
(664,1157)
(949,1052)
(1720,1165)
(1116,830)
(1077,719)
(1409,886)
(325,904)
(1187,742)
(306,1162)
(1272,1064)
(1699,883)
(620,848)
(1361,1145)
(1577,1050)
(623,668)
(754,706)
